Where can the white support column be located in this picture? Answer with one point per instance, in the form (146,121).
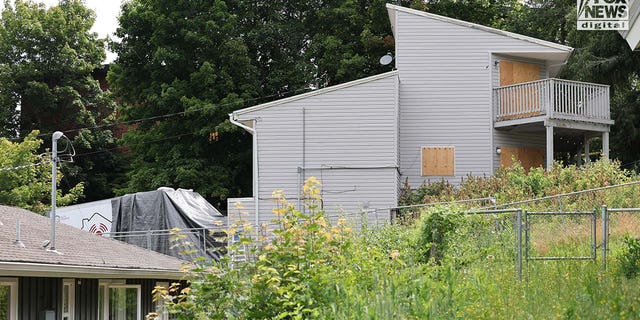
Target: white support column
(549,147)
(587,159)
(605,145)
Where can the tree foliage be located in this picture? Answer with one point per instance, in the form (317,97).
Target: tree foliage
(25,176)
(186,59)
(47,56)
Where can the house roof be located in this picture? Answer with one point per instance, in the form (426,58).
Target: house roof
(78,253)
(549,44)
(313,93)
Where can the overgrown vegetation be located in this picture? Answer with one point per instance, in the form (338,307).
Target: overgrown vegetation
(511,184)
(446,265)
(630,257)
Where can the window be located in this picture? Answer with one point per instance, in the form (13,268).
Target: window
(119,301)
(68,299)
(9,298)
(438,161)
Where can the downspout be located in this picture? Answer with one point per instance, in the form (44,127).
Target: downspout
(254,133)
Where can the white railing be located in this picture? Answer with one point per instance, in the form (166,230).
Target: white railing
(555,98)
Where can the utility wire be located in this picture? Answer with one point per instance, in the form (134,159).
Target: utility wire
(23,166)
(130,145)
(168,115)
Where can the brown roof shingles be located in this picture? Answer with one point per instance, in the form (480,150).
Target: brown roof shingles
(76,247)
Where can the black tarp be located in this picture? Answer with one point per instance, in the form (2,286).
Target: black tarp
(143,219)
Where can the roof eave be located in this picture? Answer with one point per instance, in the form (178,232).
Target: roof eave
(236,114)
(26,269)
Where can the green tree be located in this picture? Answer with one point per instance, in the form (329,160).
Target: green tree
(186,59)
(493,13)
(25,176)
(46,60)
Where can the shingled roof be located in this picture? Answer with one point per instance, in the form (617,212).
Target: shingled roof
(78,253)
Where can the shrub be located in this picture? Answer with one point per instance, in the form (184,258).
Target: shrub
(436,229)
(629,258)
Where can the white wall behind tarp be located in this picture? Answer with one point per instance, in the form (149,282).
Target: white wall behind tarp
(94,217)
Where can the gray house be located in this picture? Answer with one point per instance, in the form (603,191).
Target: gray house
(464,99)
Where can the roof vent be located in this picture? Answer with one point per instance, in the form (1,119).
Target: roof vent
(18,243)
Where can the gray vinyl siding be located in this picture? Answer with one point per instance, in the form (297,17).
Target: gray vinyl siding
(517,139)
(349,140)
(446,74)
(240,211)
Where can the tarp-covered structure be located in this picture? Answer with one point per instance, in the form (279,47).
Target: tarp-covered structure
(144,218)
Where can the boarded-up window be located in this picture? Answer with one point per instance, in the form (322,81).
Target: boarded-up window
(528,157)
(519,102)
(438,161)
(513,72)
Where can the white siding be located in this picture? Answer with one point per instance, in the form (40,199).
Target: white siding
(446,74)
(240,211)
(347,138)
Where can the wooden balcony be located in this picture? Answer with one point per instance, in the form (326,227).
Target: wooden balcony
(551,99)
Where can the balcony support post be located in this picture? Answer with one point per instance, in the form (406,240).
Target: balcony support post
(549,147)
(587,159)
(605,144)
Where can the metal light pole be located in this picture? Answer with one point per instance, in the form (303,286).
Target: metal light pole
(54,175)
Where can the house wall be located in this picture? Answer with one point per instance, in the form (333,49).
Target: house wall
(240,211)
(446,80)
(86,299)
(347,138)
(36,294)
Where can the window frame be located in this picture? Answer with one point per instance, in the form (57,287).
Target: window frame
(71,299)
(12,283)
(108,284)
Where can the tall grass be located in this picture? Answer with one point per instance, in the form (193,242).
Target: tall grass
(444,265)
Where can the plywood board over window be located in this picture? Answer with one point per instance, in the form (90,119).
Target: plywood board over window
(519,102)
(527,156)
(438,161)
(514,72)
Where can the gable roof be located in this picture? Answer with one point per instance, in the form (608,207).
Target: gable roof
(313,93)
(79,253)
(391,8)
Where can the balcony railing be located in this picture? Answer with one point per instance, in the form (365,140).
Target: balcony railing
(553,98)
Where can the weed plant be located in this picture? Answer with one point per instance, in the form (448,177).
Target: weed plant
(445,265)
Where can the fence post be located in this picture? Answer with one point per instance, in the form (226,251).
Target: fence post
(204,240)
(519,242)
(605,217)
(149,239)
(594,245)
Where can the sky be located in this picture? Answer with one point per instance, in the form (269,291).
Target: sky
(106,18)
